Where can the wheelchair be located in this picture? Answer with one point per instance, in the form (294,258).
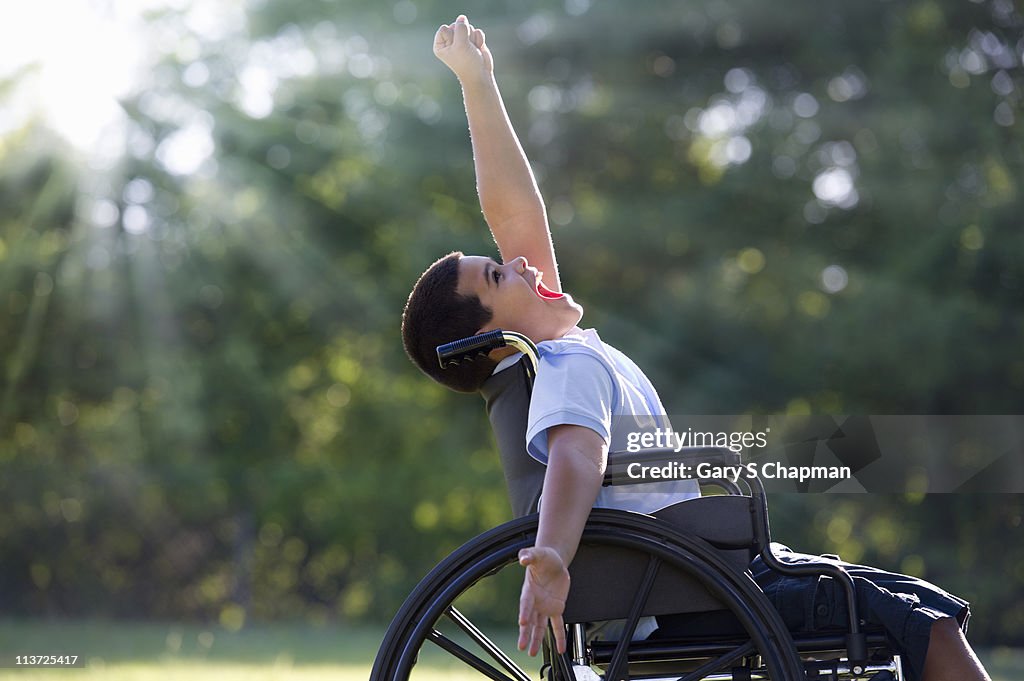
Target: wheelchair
(685,565)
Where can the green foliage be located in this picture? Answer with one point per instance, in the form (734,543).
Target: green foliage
(205,408)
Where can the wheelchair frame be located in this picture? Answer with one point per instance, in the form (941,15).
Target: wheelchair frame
(766,651)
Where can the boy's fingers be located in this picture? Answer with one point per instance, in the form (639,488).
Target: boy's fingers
(477,37)
(461,29)
(536,638)
(443,37)
(559,627)
(528,634)
(525,608)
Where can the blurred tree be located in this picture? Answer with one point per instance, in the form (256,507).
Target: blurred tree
(206,411)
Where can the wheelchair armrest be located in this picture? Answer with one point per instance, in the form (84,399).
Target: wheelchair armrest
(619,462)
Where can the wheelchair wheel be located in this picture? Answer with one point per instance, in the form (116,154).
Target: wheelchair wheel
(430,621)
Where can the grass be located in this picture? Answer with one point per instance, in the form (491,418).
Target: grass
(147,651)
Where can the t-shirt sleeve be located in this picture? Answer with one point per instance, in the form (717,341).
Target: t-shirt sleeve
(570,389)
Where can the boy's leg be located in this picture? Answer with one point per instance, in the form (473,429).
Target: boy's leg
(924,621)
(950,657)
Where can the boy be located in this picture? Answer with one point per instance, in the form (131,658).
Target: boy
(582,383)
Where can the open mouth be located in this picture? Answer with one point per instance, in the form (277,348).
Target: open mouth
(546,293)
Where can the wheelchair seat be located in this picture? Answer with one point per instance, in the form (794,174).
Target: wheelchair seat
(674,591)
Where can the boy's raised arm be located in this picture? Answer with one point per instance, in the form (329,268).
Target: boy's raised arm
(511,203)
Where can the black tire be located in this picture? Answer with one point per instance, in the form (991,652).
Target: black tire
(416,621)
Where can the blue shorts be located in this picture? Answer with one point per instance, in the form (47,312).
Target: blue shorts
(905,607)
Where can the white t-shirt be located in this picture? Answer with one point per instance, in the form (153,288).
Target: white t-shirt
(583,381)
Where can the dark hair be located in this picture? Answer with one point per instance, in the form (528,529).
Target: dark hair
(437,313)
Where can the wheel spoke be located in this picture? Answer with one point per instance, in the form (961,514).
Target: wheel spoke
(617,668)
(445,643)
(560,661)
(481,640)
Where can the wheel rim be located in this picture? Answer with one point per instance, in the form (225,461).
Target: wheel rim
(483,556)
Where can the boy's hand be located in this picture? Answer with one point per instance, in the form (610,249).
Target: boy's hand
(545,588)
(461,47)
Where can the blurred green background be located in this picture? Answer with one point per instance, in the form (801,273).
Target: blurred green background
(211,214)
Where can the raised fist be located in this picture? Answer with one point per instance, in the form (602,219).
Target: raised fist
(462,48)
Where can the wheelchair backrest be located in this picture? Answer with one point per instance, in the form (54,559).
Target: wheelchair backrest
(507,396)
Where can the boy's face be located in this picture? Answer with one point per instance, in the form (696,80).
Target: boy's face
(517,297)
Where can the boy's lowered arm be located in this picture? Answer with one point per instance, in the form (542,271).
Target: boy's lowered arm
(576,461)
(511,202)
